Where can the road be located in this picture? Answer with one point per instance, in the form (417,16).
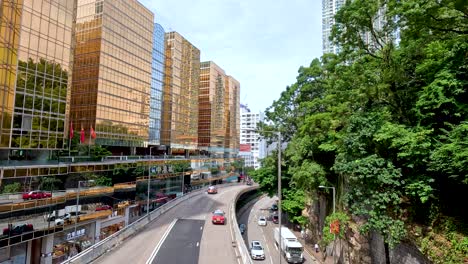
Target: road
(264,233)
(183,235)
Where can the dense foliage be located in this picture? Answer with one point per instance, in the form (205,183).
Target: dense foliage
(385,121)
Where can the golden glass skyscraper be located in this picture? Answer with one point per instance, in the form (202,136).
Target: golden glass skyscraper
(233,116)
(179,128)
(218,125)
(112,72)
(35,65)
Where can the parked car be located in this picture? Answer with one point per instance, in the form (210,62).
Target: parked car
(262,221)
(36,195)
(103,207)
(256,250)
(242,228)
(18,230)
(212,190)
(218,217)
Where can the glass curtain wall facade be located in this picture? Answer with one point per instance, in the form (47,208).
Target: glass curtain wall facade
(35,64)
(179,128)
(232,117)
(157,80)
(218,126)
(112,76)
(212,112)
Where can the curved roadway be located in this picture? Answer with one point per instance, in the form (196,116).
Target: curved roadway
(264,233)
(192,238)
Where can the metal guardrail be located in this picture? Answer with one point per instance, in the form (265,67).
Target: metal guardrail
(237,240)
(103,246)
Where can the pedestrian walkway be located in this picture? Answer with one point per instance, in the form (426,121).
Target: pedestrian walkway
(309,247)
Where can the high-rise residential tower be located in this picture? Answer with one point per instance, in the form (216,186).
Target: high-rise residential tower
(179,127)
(157,81)
(35,76)
(249,137)
(329,9)
(112,72)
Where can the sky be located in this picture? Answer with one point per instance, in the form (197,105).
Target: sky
(261,43)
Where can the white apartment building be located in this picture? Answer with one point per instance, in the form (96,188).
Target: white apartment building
(248,136)
(329,9)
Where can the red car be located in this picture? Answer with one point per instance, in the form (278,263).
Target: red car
(17,230)
(218,217)
(104,207)
(212,190)
(36,195)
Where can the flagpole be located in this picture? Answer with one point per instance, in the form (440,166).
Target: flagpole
(89,148)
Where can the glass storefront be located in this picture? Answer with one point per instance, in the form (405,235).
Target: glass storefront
(109,230)
(69,243)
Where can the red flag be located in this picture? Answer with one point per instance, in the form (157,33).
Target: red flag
(93,133)
(71,130)
(82,135)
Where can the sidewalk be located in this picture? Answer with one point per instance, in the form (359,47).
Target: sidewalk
(309,247)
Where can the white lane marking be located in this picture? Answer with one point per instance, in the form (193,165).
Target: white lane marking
(198,243)
(158,246)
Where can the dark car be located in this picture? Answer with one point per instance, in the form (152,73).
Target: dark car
(274,207)
(242,228)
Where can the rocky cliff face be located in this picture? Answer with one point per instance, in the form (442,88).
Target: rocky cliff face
(358,248)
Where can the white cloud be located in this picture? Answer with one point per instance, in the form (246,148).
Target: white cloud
(260,43)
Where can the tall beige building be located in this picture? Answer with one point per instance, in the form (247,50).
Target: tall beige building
(179,122)
(218,128)
(112,72)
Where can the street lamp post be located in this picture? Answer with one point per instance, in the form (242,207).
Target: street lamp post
(149,183)
(78,201)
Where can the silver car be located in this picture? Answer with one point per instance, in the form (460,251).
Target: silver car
(256,250)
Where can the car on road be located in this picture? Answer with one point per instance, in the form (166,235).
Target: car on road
(64,219)
(212,190)
(103,207)
(274,207)
(242,228)
(36,195)
(262,221)
(17,230)
(256,250)
(275,219)
(218,217)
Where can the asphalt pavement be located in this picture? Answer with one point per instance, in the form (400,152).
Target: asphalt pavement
(163,239)
(264,233)
(182,245)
